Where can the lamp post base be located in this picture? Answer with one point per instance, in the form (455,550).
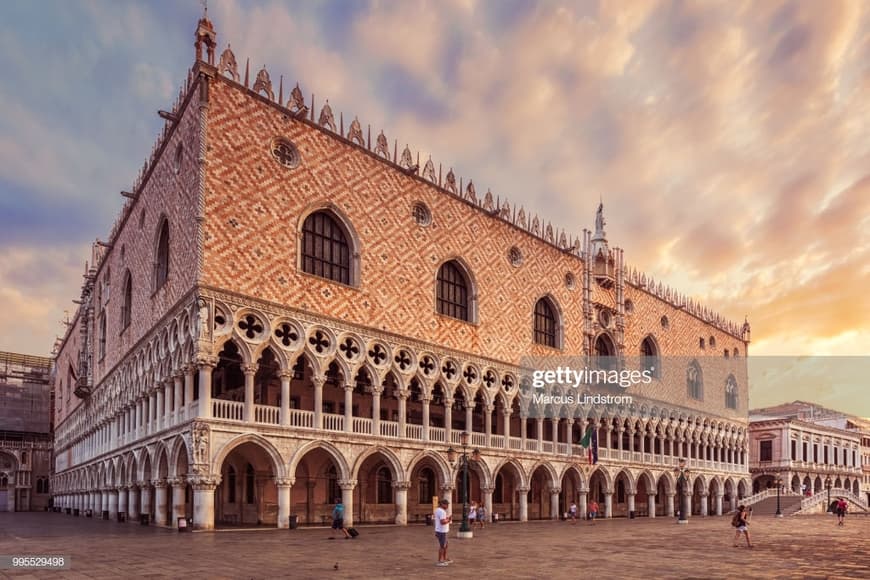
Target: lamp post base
(465,535)
(778,515)
(683,522)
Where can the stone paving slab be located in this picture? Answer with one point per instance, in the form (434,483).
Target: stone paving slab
(797,547)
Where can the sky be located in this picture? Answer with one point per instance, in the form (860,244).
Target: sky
(727,140)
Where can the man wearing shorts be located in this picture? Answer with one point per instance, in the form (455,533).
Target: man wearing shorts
(841,507)
(442,528)
(338,520)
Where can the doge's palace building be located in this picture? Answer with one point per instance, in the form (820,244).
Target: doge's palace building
(290,309)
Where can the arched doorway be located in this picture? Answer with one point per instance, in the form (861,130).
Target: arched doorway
(622,489)
(571,484)
(247,494)
(505,497)
(762,482)
(796,483)
(646,488)
(698,490)
(598,491)
(540,507)
(427,482)
(317,480)
(375,493)
(664,496)
(8,468)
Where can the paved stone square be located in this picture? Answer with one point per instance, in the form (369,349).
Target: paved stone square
(796,547)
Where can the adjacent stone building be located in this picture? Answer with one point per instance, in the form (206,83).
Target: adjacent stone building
(25,432)
(813,449)
(289,310)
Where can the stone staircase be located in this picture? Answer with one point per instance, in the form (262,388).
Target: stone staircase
(767,506)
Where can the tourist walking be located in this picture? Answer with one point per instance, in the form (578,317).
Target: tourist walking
(572,513)
(472,514)
(442,528)
(481,516)
(842,506)
(338,520)
(593,511)
(741,523)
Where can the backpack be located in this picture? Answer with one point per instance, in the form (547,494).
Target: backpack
(735,521)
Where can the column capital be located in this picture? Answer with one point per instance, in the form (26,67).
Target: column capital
(178,374)
(250,368)
(347,484)
(402,485)
(487,489)
(447,488)
(318,380)
(177,482)
(204,483)
(206,362)
(555,490)
(160,483)
(285,481)
(285,374)
(143,483)
(403,395)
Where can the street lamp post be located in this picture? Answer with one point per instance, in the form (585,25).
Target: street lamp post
(681,472)
(828,485)
(778,488)
(465,529)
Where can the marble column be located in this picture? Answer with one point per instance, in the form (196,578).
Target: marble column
(188,387)
(704,502)
(178,500)
(669,504)
(203,504)
(687,505)
(158,408)
(347,486)
(524,430)
(376,410)
(630,497)
(554,428)
(348,408)
(160,501)
(507,428)
(284,412)
(719,504)
(469,417)
(524,503)
(651,504)
(403,406)
(401,489)
(487,426)
(204,406)
(608,504)
(250,370)
(104,502)
(425,401)
(554,503)
(284,505)
(581,504)
(540,434)
(178,396)
(448,420)
(318,401)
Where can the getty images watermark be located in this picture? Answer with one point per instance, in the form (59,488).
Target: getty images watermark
(561,386)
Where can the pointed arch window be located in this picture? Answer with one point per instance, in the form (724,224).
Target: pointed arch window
(546,323)
(127,303)
(384,485)
(102,335)
(332,484)
(161,262)
(249,483)
(453,294)
(605,352)
(427,486)
(649,357)
(695,381)
(326,251)
(231,485)
(731,392)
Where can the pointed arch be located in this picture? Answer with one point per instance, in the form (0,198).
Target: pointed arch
(328,245)
(456,291)
(278,464)
(127,300)
(330,449)
(161,253)
(177,447)
(437,459)
(548,322)
(391,459)
(548,469)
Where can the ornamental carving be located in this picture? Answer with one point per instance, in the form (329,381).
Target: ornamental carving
(326,117)
(227,64)
(450,182)
(200,442)
(297,101)
(429,171)
(355,133)
(382,148)
(264,83)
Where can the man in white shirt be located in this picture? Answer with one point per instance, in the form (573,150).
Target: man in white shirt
(442,528)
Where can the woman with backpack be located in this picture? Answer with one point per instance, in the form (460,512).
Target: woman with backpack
(741,522)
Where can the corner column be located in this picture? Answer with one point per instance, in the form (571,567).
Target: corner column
(348,409)
(250,370)
(205,368)
(524,503)
(160,501)
(318,401)
(203,504)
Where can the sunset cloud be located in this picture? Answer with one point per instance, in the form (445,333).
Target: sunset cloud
(728,140)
